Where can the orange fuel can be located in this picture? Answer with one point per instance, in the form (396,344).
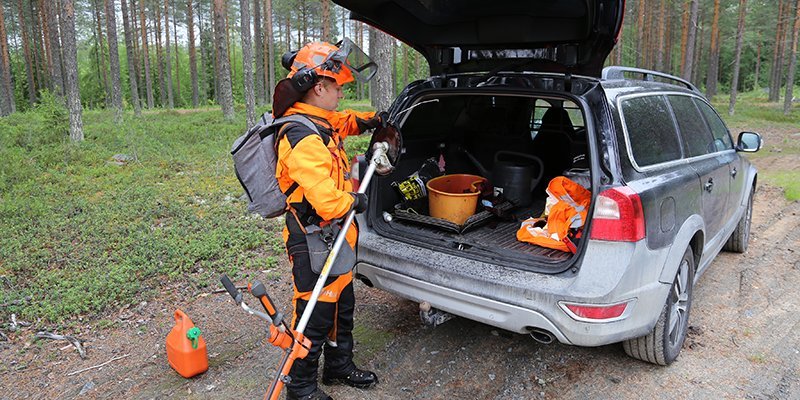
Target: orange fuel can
(186,349)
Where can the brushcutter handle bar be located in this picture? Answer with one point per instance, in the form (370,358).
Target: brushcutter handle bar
(231,288)
(260,292)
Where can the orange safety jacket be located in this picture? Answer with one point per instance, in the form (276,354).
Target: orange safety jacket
(566,209)
(321,172)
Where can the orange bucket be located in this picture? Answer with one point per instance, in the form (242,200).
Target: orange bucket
(454,197)
(186,349)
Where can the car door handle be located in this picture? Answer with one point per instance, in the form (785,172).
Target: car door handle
(709,185)
(734,172)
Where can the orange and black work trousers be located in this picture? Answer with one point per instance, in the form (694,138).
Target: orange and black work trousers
(330,328)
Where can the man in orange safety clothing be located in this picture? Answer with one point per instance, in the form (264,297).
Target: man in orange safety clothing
(313,170)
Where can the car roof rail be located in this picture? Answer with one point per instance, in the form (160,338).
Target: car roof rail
(617,72)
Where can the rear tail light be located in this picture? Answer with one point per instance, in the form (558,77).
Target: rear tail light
(618,216)
(596,312)
(355,177)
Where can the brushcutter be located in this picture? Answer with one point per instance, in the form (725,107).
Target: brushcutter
(292,341)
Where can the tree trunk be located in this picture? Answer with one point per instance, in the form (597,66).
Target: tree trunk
(168,58)
(133,72)
(258,46)
(696,69)
(737,55)
(662,20)
(691,38)
(757,74)
(270,52)
(38,45)
(101,59)
(7,105)
(777,57)
(148,79)
(406,65)
(192,53)
(684,35)
(202,74)
(71,70)
(713,57)
(787,100)
(380,49)
(54,47)
(326,20)
(223,74)
(29,63)
(247,63)
(113,56)
(640,12)
(162,83)
(177,89)
(668,63)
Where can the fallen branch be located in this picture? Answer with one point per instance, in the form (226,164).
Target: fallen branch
(3,336)
(223,290)
(75,342)
(97,366)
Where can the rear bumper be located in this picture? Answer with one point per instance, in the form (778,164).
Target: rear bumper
(517,300)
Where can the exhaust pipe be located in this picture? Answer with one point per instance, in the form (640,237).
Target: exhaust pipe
(542,336)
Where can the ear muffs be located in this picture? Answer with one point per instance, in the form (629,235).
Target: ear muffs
(304,79)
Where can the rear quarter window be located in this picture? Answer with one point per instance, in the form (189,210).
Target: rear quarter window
(722,138)
(650,129)
(696,137)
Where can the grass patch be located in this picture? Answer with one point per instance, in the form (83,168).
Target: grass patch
(788,180)
(81,234)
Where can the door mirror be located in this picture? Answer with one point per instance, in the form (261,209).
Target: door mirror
(749,142)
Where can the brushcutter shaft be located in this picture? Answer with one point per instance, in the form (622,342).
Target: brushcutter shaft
(378,157)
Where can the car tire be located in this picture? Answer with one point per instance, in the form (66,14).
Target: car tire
(740,237)
(663,344)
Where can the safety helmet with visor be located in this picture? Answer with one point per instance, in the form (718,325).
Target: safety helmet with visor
(343,62)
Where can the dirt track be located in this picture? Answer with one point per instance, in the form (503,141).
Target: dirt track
(744,343)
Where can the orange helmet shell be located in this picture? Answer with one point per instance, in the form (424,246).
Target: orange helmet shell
(314,55)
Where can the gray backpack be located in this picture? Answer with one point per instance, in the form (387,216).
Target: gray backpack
(254,160)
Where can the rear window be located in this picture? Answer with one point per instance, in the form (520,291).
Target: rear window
(651,130)
(697,139)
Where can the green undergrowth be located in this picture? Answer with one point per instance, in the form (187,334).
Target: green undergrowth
(82,233)
(788,180)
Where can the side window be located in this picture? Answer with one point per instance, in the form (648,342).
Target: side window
(651,131)
(722,139)
(540,108)
(697,139)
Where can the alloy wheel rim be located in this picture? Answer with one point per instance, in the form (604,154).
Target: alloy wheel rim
(679,307)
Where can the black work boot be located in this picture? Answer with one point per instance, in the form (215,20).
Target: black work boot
(357,378)
(317,394)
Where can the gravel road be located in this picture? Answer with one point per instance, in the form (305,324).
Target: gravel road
(743,343)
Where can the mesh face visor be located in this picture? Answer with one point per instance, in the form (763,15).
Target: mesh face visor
(354,59)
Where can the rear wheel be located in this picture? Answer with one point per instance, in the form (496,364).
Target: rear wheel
(663,344)
(737,243)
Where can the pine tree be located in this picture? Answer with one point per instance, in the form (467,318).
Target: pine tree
(787,100)
(167,57)
(7,105)
(111,35)
(737,55)
(223,73)
(71,70)
(146,57)
(30,64)
(133,72)
(192,53)
(54,46)
(247,62)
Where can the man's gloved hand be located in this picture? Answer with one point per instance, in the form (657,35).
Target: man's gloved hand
(380,119)
(360,202)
